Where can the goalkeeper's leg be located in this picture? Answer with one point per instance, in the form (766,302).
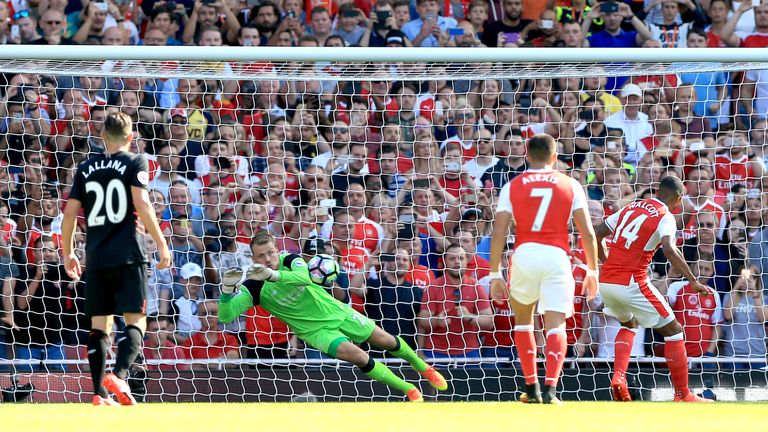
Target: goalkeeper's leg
(347,351)
(396,346)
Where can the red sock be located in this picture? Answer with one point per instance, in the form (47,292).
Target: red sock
(555,349)
(526,350)
(677,361)
(625,338)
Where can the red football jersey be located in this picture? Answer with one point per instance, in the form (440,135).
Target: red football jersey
(368,234)
(503,320)
(419,276)
(460,336)
(542,203)
(262,328)
(637,232)
(697,313)
(574,325)
(198,347)
(689,231)
(755,40)
(353,260)
(729,172)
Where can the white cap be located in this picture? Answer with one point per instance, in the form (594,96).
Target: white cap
(190,270)
(631,90)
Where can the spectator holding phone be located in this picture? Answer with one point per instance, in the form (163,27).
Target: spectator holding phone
(429,29)
(746,313)
(613,14)
(507,30)
(348,25)
(378,25)
(205,14)
(544,32)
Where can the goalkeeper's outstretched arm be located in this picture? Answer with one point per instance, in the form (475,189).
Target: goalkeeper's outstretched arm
(232,306)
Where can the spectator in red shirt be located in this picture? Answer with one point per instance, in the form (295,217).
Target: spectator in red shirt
(498,342)
(455,310)
(158,345)
(456,180)
(700,315)
(758,39)
(477,267)
(210,342)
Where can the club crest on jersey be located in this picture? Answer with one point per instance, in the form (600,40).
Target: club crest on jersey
(143,177)
(100,165)
(708,303)
(693,300)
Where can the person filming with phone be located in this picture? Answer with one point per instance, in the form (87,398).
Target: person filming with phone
(429,29)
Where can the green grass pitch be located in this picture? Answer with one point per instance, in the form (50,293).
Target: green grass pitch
(369,416)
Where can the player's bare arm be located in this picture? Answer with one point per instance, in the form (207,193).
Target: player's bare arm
(147,216)
(71,262)
(678,263)
(501,226)
(583,224)
(602,231)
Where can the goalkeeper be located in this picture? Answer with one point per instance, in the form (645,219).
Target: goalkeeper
(280,283)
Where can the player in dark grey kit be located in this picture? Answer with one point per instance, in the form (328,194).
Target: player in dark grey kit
(112,189)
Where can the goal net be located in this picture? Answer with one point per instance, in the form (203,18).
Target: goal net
(390,161)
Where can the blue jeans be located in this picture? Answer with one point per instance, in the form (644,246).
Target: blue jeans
(3,350)
(467,355)
(36,352)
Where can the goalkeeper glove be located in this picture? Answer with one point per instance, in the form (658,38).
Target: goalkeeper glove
(261,272)
(231,279)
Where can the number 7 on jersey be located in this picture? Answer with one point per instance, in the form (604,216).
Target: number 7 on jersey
(546,198)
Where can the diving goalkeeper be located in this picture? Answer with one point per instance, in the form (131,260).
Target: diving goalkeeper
(280,283)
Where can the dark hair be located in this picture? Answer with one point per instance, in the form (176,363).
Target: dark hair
(265,3)
(541,147)
(335,36)
(385,148)
(671,185)
(697,31)
(118,125)
(247,26)
(310,38)
(318,10)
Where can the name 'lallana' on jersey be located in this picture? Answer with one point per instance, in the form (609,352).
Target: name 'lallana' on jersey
(100,165)
(546,177)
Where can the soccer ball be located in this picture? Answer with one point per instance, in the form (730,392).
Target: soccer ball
(323,270)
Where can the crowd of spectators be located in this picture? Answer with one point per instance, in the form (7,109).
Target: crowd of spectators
(397,179)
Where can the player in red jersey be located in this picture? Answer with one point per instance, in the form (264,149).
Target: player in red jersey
(540,204)
(638,230)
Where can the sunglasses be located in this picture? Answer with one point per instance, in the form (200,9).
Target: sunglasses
(339,130)
(53,22)
(21,14)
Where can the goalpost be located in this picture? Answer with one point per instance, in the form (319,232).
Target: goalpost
(272,111)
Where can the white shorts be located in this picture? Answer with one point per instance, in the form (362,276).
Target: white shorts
(542,273)
(641,301)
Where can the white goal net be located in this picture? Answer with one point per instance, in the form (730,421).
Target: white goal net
(386,160)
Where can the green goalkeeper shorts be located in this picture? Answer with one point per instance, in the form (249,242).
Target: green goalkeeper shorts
(355,327)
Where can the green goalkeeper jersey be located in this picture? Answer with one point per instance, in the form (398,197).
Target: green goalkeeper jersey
(294,299)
